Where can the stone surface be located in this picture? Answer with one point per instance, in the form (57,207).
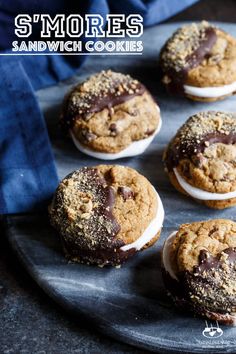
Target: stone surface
(31,322)
(128,303)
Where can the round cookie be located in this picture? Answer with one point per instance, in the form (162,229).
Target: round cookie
(201,159)
(199,61)
(199,268)
(111,115)
(105,214)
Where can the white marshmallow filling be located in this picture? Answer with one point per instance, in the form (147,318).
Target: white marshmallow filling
(134,149)
(210,92)
(153,228)
(166,255)
(199,193)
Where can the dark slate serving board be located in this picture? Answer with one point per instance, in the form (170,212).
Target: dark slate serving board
(129,303)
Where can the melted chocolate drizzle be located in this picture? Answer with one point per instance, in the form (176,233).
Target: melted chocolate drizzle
(101,256)
(202,290)
(211,284)
(93,103)
(178,77)
(99,243)
(185,150)
(96,233)
(207,261)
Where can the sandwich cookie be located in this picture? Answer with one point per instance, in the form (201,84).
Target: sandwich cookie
(201,159)
(199,61)
(105,214)
(111,116)
(199,269)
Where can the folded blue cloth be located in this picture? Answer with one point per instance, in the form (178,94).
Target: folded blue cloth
(28,175)
(153,11)
(27,171)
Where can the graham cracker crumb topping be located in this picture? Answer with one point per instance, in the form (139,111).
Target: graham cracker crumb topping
(98,91)
(182,46)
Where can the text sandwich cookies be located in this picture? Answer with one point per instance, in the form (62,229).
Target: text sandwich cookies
(105,214)
(199,61)
(111,116)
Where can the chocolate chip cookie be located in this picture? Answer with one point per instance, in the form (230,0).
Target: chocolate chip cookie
(111,115)
(199,61)
(199,268)
(105,214)
(201,159)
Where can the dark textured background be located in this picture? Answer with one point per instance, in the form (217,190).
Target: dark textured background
(32,323)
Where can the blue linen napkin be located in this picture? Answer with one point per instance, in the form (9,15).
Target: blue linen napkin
(27,171)
(153,11)
(28,175)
